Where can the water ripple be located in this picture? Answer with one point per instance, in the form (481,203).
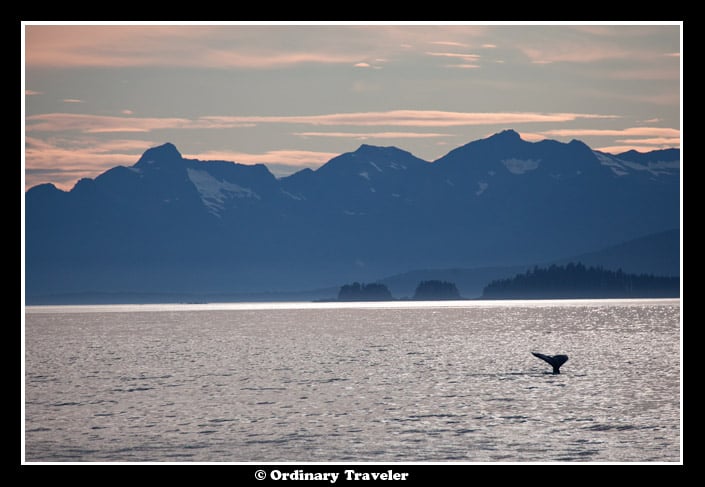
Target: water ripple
(423,383)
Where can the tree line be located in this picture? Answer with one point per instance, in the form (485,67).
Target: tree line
(426,291)
(575,280)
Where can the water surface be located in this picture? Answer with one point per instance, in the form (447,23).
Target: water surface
(382,382)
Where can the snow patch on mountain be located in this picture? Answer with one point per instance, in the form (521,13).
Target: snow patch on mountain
(375,166)
(296,197)
(214,192)
(655,168)
(364,174)
(621,167)
(521,166)
(481,187)
(612,162)
(396,166)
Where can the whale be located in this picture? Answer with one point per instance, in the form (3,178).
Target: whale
(554,360)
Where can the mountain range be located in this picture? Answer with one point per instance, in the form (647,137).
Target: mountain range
(169,224)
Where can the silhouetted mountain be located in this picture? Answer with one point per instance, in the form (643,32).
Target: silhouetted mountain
(656,254)
(175,225)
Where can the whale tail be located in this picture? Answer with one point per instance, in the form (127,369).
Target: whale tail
(554,360)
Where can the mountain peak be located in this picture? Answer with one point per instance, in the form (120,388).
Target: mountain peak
(165,153)
(366,148)
(508,134)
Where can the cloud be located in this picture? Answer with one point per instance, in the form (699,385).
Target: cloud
(642,139)
(72,100)
(489,46)
(449,43)
(463,56)
(234,46)
(64,161)
(100,124)
(462,66)
(661,141)
(618,149)
(33,93)
(127,112)
(66,46)
(293,158)
(87,123)
(573,53)
(363,65)
(592,44)
(94,124)
(628,132)
(415,118)
(373,135)
(532,137)
(650,120)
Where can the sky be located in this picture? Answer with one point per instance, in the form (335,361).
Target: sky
(295,96)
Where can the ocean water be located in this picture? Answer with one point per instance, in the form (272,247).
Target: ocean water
(379,382)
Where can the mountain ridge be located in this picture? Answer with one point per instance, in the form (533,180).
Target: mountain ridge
(168,223)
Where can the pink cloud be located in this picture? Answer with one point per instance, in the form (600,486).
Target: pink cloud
(661,141)
(72,100)
(464,57)
(449,43)
(373,135)
(288,157)
(32,93)
(61,122)
(462,66)
(271,59)
(241,46)
(63,162)
(532,137)
(617,149)
(573,53)
(420,118)
(86,123)
(628,132)
(100,124)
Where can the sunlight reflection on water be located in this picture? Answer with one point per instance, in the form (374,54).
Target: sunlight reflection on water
(401,381)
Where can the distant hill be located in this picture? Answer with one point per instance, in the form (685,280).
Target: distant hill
(656,254)
(469,282)
(578,281)
(170,225)
(436,290)
(364,292)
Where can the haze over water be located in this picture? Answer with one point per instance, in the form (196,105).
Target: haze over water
(383,382)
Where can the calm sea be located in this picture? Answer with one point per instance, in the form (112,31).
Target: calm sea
(381,382)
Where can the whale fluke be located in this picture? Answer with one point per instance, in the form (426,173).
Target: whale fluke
(555,360)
